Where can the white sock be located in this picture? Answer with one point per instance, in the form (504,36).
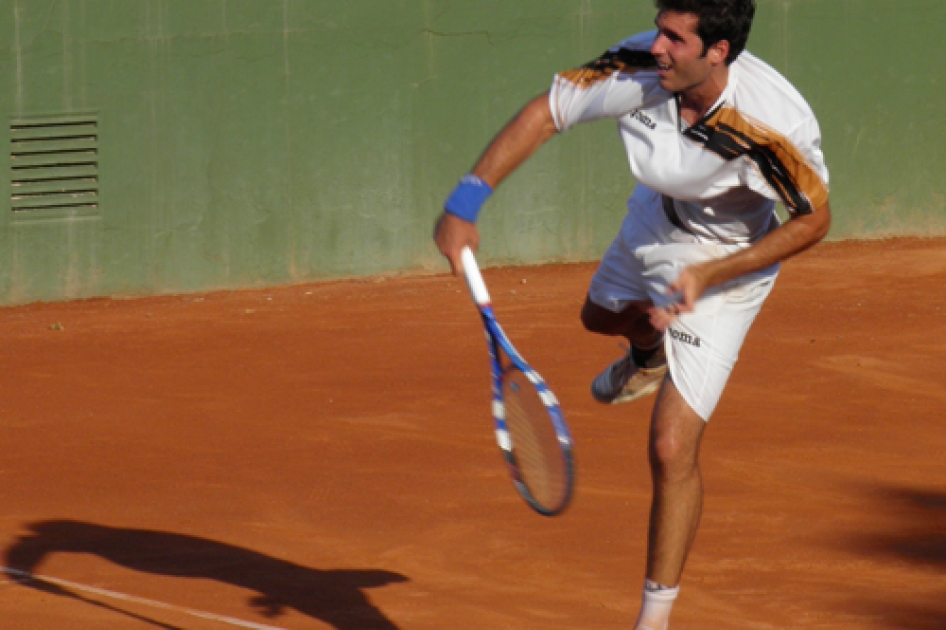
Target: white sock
(655,609)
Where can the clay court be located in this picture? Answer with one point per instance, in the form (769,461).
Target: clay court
(322,456)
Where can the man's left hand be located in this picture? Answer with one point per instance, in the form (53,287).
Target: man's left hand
(686,290)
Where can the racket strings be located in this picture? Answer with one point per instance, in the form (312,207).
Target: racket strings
(535,444)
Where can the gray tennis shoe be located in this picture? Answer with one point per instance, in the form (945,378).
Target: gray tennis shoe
(624,380)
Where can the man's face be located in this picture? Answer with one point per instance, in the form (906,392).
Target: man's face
(681,63)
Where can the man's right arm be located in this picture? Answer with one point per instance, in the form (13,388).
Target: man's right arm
(600,89)
(518,140)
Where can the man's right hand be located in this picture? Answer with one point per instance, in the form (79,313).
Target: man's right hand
(452,234)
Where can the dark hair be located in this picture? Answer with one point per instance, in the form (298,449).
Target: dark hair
(720,20)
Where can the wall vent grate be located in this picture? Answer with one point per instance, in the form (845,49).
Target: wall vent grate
(54,164)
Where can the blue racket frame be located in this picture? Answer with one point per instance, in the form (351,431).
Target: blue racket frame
(498,344)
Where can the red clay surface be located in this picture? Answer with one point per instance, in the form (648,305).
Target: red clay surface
(322,457)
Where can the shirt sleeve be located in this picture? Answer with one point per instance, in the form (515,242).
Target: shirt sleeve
(608,87)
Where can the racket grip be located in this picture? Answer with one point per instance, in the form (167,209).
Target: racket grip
(474,279)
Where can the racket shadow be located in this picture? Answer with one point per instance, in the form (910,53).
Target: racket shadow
(334,597)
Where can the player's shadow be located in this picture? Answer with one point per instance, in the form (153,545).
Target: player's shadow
(919,539)
(334,597)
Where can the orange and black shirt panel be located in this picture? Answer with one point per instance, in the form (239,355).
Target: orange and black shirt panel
(614,61)
(728,133)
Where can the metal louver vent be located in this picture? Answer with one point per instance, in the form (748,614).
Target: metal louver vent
(54,164)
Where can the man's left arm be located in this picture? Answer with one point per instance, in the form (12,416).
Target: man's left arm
(796,235)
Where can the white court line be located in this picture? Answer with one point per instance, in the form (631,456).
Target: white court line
(25,576)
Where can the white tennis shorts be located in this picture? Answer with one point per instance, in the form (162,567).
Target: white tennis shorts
(645,258)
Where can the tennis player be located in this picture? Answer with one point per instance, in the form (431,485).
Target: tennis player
(714,137)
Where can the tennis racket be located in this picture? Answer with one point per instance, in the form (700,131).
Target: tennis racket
(530,427)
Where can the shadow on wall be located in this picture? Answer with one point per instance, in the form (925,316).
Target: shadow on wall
(920,540)
(333,597)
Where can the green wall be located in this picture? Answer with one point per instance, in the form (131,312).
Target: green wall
(254,142)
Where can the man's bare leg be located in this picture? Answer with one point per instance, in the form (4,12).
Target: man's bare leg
(675,436)
(676,433)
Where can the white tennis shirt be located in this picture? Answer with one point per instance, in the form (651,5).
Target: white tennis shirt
(758,144)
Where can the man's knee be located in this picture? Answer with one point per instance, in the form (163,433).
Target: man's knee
(672,459)
(675,436)
(598,319)
(595,318)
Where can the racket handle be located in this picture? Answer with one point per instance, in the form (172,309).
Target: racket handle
(474,279)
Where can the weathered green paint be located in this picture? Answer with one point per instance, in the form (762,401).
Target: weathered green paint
(253,142)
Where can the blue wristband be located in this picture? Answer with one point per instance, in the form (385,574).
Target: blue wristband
(468,197)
